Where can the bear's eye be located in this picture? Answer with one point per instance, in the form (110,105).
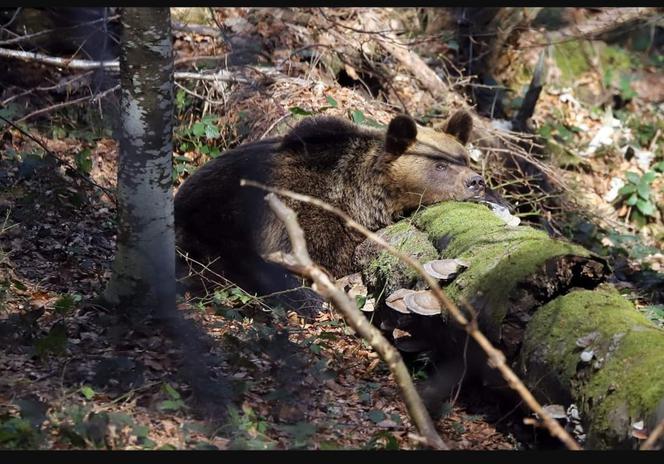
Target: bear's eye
(441,166)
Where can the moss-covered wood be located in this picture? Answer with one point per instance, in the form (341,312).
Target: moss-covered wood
(592,348)
(512,270)
(573,338)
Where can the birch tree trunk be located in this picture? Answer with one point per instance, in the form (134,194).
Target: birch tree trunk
(143,280)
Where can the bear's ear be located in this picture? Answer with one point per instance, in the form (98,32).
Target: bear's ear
(460,126)
(401,134)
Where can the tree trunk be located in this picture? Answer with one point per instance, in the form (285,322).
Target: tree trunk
(143,279)
(537,299)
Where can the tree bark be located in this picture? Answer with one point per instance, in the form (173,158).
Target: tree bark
(143,279)
(543,302)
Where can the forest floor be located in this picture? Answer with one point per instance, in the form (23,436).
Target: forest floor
(77,380)
(74,375)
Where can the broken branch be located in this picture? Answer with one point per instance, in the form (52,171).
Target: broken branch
(359,323)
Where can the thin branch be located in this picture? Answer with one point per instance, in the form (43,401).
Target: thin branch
(48,109)
(45,89)
(196,29)
(409,59)
(653,437)
(57,61)
(13,18)
(496,358)
(323,284)
(22,38)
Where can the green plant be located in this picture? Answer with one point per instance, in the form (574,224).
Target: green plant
(197,137)
(358,117)
(247,429)
(18,433)
(174,403)
(84,161)
(299,111)
(637,193)
(382,440)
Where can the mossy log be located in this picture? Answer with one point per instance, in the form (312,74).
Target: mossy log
(543,302)
(594,349)
(511,270)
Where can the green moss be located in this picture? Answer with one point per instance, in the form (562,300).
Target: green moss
(499,257)
(407,239)
(571,58)
(616,58)
(631,376)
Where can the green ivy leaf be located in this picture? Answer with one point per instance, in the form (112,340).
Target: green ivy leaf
(376,415)
(358,116)
(659,166)
(198,129)
(360,300)
(626,190)
(331,101)
(211,131)
(646,207)
(87,392)
(84,161)
(170,405)
(297,111)
(644,189)
(180,99)
(64,304)
(633,177)
(170,391)
(631,201)
(648,177)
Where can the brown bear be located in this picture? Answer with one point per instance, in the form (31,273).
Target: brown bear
(374,175)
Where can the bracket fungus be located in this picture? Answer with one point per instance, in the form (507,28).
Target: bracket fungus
(444,269)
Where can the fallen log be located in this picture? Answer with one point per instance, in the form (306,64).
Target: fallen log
(536,298)
(592,348)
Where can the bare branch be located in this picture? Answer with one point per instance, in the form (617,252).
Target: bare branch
(496,358)
(409,59)
(57,61)
(653,437)
(323,284)
(196,29)
(23,38)
(606,21)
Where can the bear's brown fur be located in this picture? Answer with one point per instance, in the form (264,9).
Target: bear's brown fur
(374,175)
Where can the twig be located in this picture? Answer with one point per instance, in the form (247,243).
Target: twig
(199,96)
(324,285)
(48,109)
(196,29)
(21,38)
(12,19)
(188,59)
(60,161)
(410,60)
(496,358)
(57,61)
(44,89)
(273,125)
(653,437)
